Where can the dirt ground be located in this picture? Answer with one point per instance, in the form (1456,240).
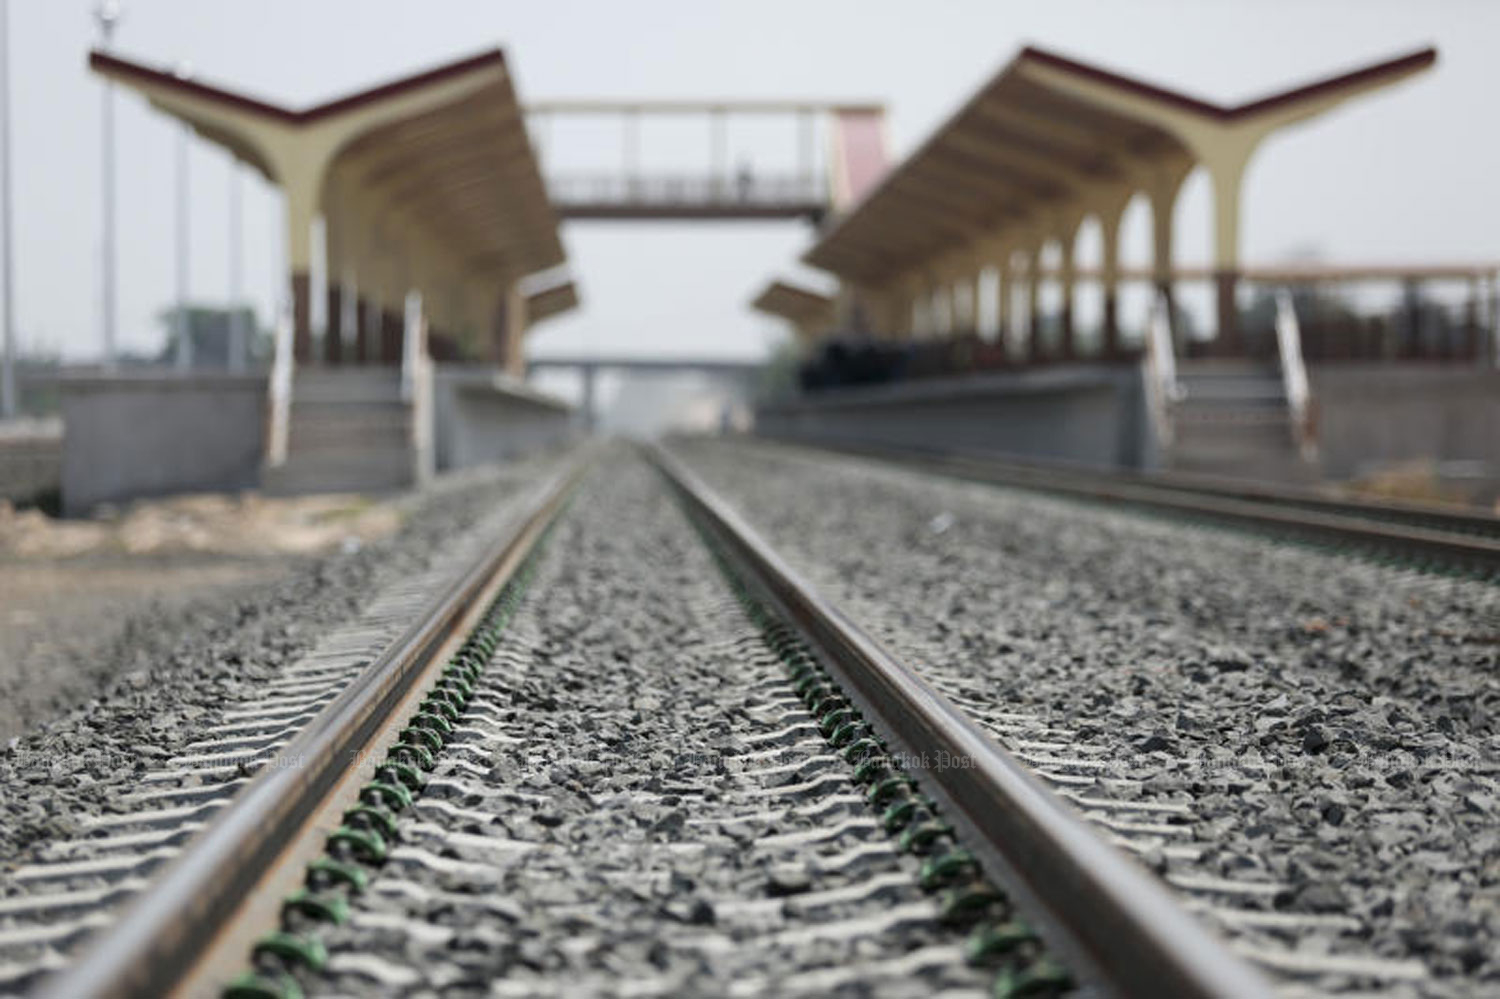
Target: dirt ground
(247,525)
(1424,482)
(71,590)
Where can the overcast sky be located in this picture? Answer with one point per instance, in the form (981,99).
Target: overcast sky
(1404,175)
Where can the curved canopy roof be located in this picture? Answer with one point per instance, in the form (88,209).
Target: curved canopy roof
(1046,133)
(551,301)
(802,306)
(448,146)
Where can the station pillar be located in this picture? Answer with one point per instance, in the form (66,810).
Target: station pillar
(508,328)
(1227,170)
(392,324)
(1163,195)
(363,334)
(513,359)
(1033,301)
(333,339)
(1067,341)
(1010,332)
(1229,343)
(301,210)
(1109,279)
(301,316)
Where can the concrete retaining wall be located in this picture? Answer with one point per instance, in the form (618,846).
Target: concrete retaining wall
(481,417)
(1371,414)
(1091,414)
(30,459)
(130,435)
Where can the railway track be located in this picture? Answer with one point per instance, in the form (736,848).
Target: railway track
(1274,729)
(1103,910)
(631,760)
(1441,537)
(216,834)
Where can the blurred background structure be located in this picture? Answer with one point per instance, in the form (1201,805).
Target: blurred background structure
(1127,255)
(963,262)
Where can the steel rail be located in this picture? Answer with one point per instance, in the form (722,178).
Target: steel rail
(150,948)
(1470,539)
(1103,911)
(1447,518)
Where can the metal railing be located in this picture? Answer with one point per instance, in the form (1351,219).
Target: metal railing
(746,190)
(1294,377)
(1438,333)
(280,389)
(416,385)
(1162,389)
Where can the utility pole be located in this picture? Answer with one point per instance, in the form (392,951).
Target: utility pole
(237,338)
(107,14)
(184,352)
(8,401)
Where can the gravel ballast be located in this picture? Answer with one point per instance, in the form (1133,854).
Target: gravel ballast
(636,803)
(1324,725)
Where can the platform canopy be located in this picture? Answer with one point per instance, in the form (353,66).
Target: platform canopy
(551,300)
(428,182)
(810,312)
(1049,141)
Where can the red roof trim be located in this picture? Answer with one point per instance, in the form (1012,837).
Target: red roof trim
(103,61)
(1392,67)
(786,287)
(1402,64)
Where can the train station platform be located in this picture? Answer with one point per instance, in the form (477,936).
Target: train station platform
(959,317)
(1368,418)
(439,247)
(132,435)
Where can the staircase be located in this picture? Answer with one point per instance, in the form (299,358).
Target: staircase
(1231,418)
(349,430)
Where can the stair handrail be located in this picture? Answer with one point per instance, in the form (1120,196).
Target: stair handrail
(279,388)
(416,385)
(411,344)
(1162,388)
(1294,376)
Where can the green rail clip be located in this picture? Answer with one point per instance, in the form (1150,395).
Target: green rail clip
(326,872)
(366,844)
(294,948)
(252,985)
(359,846)
(379,792)
(1041,979)
(378,819)
(327,907)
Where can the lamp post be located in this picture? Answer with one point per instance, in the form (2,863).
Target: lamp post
(8,368)
(107,15)
(237,337)
(184,346)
